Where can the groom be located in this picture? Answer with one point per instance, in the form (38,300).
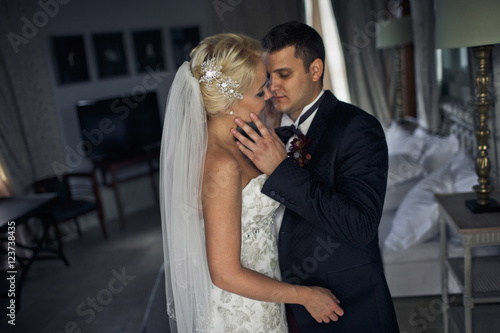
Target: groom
(331,187)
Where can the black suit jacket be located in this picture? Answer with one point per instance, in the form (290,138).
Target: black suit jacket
(329,233)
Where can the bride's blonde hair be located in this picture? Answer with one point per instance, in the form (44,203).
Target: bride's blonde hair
(238,55)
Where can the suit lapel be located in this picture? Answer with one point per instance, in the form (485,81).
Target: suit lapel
(320,121)
(316,130)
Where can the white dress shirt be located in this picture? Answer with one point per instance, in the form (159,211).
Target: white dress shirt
(304,127)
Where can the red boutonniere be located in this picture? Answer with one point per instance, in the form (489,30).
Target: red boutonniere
(298,149)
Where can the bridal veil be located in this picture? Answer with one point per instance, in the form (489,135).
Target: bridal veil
(183,150)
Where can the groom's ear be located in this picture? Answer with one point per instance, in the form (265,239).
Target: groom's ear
(316,68)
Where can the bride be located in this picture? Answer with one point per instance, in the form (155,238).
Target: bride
(221,259)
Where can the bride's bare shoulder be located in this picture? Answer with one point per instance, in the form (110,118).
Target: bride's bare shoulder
(221,164)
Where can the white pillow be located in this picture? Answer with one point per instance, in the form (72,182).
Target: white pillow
(396,193)
(401,139)
(439,151)
(403,167)
(416,219)
(404,173)
(463,170)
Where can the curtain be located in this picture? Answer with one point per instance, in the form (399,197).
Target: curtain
(29,131)
(5,188)
(356,21)
(426,87)
(319,15)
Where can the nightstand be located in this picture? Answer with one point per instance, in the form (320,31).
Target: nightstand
(479,277)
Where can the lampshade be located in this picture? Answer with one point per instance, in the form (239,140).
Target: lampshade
(394,32)
(466,23)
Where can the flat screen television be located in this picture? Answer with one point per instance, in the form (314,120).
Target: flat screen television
(120,127)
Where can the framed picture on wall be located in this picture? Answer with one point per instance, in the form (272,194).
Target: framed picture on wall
(148,48)
(184,39)
(110,55)
(70,59)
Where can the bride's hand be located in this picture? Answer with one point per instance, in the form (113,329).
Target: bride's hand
(271,118)
(322,305)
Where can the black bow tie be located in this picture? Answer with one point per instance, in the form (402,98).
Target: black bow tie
(286,132)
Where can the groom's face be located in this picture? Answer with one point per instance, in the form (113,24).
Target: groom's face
(292,87)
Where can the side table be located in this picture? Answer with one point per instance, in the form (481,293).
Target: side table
(479,277)
(15,211)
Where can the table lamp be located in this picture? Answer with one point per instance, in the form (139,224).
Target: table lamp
(466,23)
(395,33)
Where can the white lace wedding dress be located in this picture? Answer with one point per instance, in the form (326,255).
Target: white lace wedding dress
(259,252)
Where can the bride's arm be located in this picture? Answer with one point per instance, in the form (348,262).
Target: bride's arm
(222,199)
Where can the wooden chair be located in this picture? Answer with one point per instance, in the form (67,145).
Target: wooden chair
(74,200)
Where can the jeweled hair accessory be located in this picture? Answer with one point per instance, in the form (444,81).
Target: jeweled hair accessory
(225,85)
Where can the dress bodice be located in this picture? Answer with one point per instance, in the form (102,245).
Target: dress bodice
(259,252)
(258,239)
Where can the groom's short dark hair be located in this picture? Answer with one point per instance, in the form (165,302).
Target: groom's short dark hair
(308,43)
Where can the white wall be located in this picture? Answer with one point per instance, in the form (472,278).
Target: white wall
(87,17)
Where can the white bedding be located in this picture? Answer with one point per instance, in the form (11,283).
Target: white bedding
(409,228)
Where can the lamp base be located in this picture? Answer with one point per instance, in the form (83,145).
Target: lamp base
(492,207)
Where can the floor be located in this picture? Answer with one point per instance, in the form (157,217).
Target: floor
(115,285)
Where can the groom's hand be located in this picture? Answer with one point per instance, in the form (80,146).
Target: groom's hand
(266,152)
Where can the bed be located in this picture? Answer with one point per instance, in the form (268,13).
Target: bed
(420,165)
